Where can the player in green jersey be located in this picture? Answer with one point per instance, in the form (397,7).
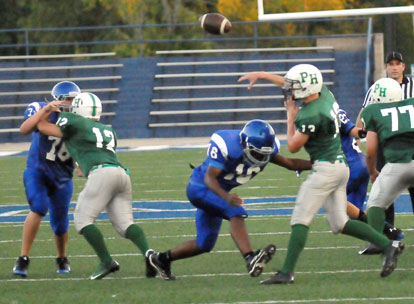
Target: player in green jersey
(93,145)
(390,125)
(316,127)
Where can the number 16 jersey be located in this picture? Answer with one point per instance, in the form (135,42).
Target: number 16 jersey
(90,143)
(225,152)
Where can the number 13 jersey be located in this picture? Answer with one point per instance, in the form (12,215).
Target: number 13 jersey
(90,143)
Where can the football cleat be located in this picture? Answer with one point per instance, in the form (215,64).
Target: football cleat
(150,271)
(256,263)
(62,265)
(391,253)
(164,269)
(21,266)
(104,270)
(370,250)
(279,278)
(393,233)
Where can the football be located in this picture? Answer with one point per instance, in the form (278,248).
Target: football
(215,23)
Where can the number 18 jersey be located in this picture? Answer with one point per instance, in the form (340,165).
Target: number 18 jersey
(90,143)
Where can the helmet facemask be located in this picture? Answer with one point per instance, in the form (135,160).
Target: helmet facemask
(258,142)
(255,156)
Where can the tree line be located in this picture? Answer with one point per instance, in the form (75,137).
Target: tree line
(180,23)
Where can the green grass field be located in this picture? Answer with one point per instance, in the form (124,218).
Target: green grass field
(329,271)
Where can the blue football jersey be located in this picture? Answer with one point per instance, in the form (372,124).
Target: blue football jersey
(225,152)
(48,153)
(349,145)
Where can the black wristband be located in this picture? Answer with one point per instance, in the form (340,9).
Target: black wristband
(362,133)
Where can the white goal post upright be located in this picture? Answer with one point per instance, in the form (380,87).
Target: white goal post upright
(262,16)
(332,13)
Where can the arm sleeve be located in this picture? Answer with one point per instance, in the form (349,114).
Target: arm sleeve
(366,118)
(346,124)
(33,108)
(215,156)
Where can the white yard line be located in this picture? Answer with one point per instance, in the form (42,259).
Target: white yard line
(208,275)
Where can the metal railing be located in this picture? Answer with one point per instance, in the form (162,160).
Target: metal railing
(252,33)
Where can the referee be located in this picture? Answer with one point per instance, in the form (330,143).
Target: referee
(394,68)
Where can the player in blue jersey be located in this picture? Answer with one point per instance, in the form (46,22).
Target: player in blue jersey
(47,181)
(357,186)
(233,158)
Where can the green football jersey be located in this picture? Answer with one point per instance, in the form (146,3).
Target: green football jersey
(319,119)
(394,124)
(89,142)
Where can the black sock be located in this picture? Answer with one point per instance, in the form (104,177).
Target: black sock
(362,217)
(248,255)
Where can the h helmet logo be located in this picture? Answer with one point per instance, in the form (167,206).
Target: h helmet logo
(76,102)
(313,77)
(382,91)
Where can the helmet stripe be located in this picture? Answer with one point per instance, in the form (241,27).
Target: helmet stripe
(94,105)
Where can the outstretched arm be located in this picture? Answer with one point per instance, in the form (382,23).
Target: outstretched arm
(30,124)
(210,179)
(254,76)
(291,163)
(44,126)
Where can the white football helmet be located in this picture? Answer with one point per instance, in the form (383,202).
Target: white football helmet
(386,90)
(303,80)
(87,105)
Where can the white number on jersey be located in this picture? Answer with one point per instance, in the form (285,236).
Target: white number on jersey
(394,115)
(212,152)
(63,153)
(62,121)
(240,177)
(310,127)
(335,116)
(355,145)
(99,139)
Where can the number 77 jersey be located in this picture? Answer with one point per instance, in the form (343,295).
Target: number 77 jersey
(90,143)
(394,124)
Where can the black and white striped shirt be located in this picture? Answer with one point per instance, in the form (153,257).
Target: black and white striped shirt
(407,87)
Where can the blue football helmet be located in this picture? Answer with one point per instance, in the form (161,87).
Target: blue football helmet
(64,90)
(258,142)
